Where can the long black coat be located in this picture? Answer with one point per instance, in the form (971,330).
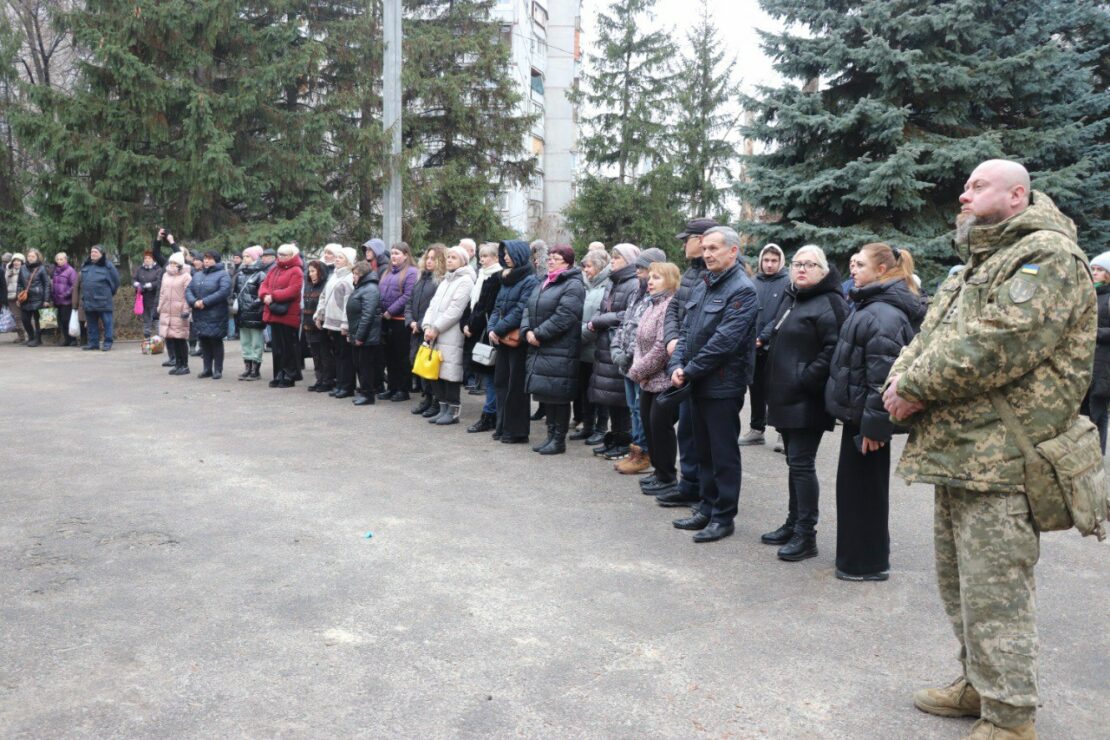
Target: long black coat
(607,381)
(247,281)
(211,285)
(417,306)
(1100,379)
(364,311)
(800,342)
(483,307)
(887,317)
(554,315)
(38,290)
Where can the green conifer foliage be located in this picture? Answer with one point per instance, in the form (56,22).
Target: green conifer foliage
(913,95)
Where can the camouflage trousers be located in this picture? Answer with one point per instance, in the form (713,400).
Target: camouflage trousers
(986,548)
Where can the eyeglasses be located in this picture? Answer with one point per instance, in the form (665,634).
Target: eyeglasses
(804,265)
(555,258)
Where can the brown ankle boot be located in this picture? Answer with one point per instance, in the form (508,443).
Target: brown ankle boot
(957,699)
(636,463)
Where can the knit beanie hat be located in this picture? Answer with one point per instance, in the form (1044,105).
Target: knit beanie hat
(563,250)
(461,253)
(378,246)
(18,256)
(630,252)
(351,255)
(649,256)
(255,252)
(1103,261)
(177,258)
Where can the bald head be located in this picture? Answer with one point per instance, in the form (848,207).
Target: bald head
(996,190)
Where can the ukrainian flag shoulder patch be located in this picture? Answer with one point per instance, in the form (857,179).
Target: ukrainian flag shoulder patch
(1030,269)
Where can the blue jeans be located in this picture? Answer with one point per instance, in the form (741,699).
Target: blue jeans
(632,397)
(491,396)
(92,321)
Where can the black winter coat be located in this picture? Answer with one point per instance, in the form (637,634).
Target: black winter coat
(38,290)
(1100,379)
(211,285)
(247,281)
(554,315)
(800,343)
(716,347)
(481,310)
(607,381)
(417,306)
(676,311)
(152,275)
(364,311)
(517,285)
(887,316)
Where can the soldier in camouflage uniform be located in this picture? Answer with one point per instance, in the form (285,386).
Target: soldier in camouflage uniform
(1020,321)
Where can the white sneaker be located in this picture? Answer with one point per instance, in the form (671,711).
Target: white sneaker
(753,437)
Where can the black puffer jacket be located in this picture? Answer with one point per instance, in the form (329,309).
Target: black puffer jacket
(554,315)
(887,317)
(1100,379)
(364,311)
(38,289)
(800,343)
(247,280)
(607,381)
(676,312)
(417,306)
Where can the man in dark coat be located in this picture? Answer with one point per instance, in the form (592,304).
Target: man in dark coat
(99,283)
(716,355)
(770,287)
(687,492)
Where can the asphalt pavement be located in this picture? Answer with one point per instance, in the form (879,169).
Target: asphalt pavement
(198,558)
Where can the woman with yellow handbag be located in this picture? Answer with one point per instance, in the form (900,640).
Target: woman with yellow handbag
(443,332)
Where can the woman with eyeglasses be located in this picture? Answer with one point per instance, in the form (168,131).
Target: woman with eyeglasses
(889,311)
(800,343)
(552,326)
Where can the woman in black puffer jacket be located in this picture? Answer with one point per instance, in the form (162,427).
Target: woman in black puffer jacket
(607,382)
(1097,402)
(889,310)
(552,326)
(432,269)
(34,279)
(800,344)
(518,280)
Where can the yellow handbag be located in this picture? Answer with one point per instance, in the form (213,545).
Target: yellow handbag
(428,360)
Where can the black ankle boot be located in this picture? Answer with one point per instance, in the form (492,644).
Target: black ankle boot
(247,368)
(485,423)
(547,440)
(557,445)
(780,536)
(800,547)
(425,404)
(585,432)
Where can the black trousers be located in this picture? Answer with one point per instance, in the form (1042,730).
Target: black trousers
(586,411)
(178,350)
(31,323)
(64,312)
(395,336)
(620,419)
(716,425)
(344,363)
(758,390)
(363,360)
(447,391)
(1095,409)
(513,406)
(317,348)
(286,351)
(801,446)
(212,354)
(862,507)
(662,443)
(327,358)
(688,455)
(381,368)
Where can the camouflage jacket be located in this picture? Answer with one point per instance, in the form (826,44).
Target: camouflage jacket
(1021,319)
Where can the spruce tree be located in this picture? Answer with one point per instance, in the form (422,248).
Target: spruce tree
(913,96)
(702,151)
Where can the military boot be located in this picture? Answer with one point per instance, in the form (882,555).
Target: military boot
(984,729)
(957,699)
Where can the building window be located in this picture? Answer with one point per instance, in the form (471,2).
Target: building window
(537,81)
(537,146)
(539,14)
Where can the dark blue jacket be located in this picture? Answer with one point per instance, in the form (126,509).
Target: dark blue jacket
(770,289)
(517,285)
(211,285)
(99,282)
(716,347)
(364,311)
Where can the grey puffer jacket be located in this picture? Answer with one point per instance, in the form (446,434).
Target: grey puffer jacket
(554,315)
(624,338)
(595,292)
(607,381)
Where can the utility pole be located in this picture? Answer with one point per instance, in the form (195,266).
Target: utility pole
(391,120)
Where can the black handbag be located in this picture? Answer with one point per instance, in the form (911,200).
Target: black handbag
(279,309)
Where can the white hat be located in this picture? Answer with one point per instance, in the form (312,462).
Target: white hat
(1103,261)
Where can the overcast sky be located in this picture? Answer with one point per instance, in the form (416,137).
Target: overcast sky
(736,19)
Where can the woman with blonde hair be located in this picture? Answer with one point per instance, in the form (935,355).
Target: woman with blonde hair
(649,370)
(800,344)
(442,329)
(889,311)
(432,269)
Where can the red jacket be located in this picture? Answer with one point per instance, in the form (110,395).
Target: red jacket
(284,282)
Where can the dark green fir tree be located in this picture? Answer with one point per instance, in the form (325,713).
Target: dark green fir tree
(911,96)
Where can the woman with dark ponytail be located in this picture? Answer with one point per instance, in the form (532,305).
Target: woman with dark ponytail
(889,310)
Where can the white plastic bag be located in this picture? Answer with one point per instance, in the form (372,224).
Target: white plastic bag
(7,321)
(74,324)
